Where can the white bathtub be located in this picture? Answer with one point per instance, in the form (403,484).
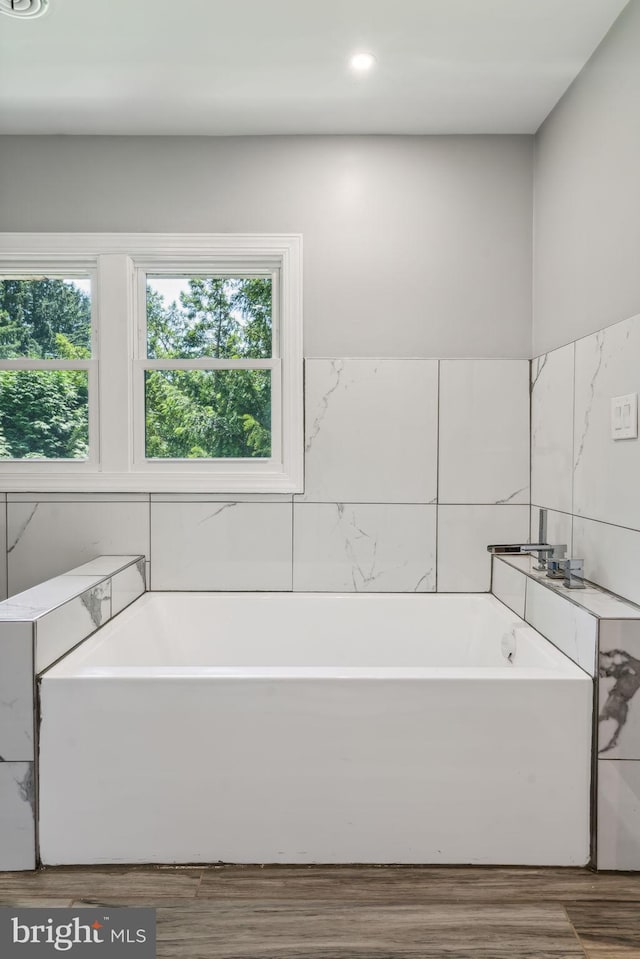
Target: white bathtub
(311,728)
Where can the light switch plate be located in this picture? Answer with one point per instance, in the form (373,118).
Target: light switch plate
(624,417)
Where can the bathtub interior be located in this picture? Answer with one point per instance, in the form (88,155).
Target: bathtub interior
(309,631)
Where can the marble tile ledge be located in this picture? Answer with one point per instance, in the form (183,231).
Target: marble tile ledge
(593,598)
(36,602)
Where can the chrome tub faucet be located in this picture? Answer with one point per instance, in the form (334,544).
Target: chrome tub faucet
(550,558)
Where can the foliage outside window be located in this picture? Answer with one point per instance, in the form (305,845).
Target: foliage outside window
(44,408)
(208,413)
(150,362)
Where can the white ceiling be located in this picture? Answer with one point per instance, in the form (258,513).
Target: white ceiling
(280,66)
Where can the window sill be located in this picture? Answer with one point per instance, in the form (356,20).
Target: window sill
(85,482)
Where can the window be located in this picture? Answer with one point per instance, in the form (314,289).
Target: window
(151,362)
(47,372)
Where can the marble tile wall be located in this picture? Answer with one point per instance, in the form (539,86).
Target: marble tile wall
(619,745)
(589,480)
(601,633)
(411,467)
(38,626)
(570,624)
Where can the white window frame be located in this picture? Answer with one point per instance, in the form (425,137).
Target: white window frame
(118,264)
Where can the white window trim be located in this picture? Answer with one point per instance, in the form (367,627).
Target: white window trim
(115,370)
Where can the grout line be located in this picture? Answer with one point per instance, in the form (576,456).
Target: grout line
(530,448)
(575,931)
(293,520)
(573,446)
(573,516)
(437,474)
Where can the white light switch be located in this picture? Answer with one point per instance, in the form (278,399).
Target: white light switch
(624,417)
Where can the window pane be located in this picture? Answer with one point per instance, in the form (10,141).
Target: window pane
(45,318)
(44,414)
(222,317)
(208,414)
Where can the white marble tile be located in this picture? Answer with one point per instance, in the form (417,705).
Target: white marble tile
(75,497)
(371,431)
(559,528)
(35,602)
(618,815)
(17,827)
(3,546)
(50,538)
(221,497)
(598,602)
(127,585)
(484,431)
(221,546)
(606,471)
(552,429)
(364,547)
(509,586)
(103,566)
(464,532)
(619,683)
(572,629)
(16,691)
(611,556)
(63,628)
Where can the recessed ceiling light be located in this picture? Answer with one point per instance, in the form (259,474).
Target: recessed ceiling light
(23,8)
(362,62)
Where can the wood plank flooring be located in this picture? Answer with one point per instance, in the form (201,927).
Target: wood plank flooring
(273,912)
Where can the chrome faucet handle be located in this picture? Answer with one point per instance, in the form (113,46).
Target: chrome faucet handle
(555,562)
(548,556)
(573,573)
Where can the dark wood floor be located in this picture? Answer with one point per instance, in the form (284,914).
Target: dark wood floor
(272,912)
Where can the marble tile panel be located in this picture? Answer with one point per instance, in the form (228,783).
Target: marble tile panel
(611,556)
(371,431)
(93,497)
(221,546)
(509,586)
(618,842)
(464,532)
(364,547)
(63,628)
(618,693)
(103,566)
(484,431)
(17,823)
(16,691)
(48,595)
(606,471)
(127,586)
(552,429)
(49,538)
(572,629)
(595,600)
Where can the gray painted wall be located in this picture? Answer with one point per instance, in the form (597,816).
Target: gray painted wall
(587,196)
(414,246)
